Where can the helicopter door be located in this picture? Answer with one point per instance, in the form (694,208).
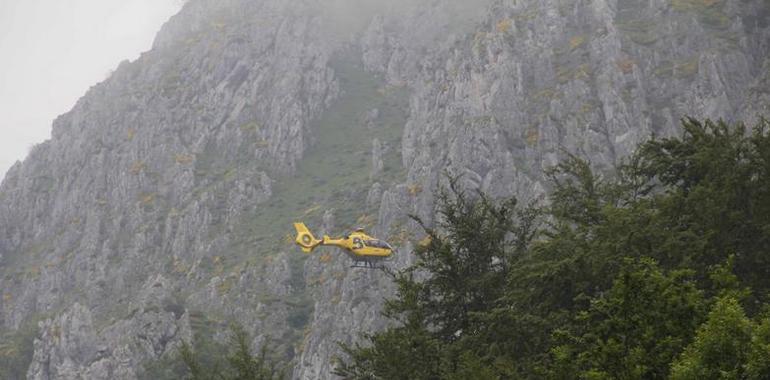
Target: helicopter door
(358,243)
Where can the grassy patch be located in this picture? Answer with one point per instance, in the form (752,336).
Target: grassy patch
(137,167)
(681,69)
(640,31)
(251,127)
(710,12)
(334,174)
(504,26)
(184,159)
(576,42)
(632,20)
(16,349)
(626,65)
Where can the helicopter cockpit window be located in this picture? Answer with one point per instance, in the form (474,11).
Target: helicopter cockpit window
(377,244)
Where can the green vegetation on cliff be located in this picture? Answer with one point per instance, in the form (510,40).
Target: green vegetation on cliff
(206,358)
(662,270)
(16,350)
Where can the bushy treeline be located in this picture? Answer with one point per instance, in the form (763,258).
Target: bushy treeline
(206,358)
(660,271)
(16,349)
(236,362)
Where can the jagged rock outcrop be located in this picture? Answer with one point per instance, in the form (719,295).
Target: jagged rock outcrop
(537,79)
(164,197)
(378,151)
(153,168)
(72,346)
(592,78)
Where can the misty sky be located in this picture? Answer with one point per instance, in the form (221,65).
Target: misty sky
(52,51)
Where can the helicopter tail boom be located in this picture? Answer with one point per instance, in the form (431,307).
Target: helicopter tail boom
(305,238)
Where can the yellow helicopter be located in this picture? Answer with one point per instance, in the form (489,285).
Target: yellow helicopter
(366,251)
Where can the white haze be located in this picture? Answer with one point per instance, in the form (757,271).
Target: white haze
(349,17)
(52,51)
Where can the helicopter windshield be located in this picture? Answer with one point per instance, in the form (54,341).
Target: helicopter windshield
(378,244)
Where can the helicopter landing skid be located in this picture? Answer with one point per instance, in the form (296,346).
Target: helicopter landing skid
(367,265)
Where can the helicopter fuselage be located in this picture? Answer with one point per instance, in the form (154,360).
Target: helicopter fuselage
(358,245)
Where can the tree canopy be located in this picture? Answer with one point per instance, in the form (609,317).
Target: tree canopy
(660,269)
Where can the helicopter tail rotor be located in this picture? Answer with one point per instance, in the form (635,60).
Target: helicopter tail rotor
(305,238)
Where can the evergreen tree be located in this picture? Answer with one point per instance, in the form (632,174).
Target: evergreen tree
(616,283)
(721,347)
(758,364)
(468,257)
(637,328)
(238,362)
(16,349)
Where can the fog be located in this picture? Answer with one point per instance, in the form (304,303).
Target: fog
(54,50)
(346,17)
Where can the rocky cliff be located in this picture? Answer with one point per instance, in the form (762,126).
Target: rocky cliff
(162,203)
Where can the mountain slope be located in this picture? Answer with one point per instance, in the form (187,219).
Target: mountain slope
(161,205)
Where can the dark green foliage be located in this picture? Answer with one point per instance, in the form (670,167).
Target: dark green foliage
(715,180)
(208,359)
(393,355)
(235,361)
(615,281)
(16,348)
(758,364)
(247,366)
(191,361)
(637,328)
(728,346)
(469,262)
(168,368)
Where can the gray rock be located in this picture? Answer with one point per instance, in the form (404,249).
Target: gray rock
(140,212)
(378,151)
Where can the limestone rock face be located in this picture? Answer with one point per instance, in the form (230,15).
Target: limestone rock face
(378,150)
(164,200)
(592,78)
(71,346)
